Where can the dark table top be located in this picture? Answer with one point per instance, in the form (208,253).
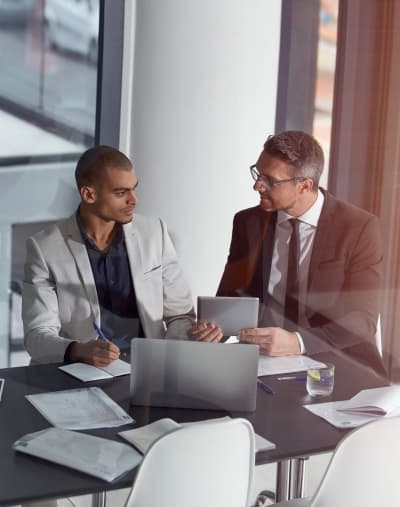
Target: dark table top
(280,418)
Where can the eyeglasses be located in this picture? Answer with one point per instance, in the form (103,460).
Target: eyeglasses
(267,180)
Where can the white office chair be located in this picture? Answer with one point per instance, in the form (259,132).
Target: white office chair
(207,464)
(362,471)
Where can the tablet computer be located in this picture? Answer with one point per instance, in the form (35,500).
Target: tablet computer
(231,314)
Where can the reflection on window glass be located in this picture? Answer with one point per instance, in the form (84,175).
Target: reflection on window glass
(325,74)
(49,74)
(48,62)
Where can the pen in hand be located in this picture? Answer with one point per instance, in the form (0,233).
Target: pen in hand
(265,387)
(100,333)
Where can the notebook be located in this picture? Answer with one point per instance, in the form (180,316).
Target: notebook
(376,401)
(87,372)
(142,438)
(229,313)
(189,374)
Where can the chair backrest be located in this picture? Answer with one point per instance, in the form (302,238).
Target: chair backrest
(206,464)
(363,469)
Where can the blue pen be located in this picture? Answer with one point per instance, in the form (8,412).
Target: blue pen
(102,336)
(265,387)
(297,377)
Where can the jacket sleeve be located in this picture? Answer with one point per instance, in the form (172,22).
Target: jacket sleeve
(177,298)
(40,311)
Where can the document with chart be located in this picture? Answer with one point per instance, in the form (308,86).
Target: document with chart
(92,455)
(80,409)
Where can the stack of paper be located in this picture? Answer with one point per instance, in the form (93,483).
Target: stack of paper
(143,437)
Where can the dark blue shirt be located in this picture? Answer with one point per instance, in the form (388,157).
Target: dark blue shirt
(120,320)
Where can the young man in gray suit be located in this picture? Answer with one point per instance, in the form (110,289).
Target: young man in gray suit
(106,265)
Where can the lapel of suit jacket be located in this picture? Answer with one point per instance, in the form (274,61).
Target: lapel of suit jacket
(262,268)
(78,250)
(134,254)
(321,246)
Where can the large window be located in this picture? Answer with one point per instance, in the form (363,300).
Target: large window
(48,84)
(325,76)
(307,70)
(48,98)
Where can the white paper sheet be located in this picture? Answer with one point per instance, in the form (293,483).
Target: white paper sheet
(287,364)
(80,409)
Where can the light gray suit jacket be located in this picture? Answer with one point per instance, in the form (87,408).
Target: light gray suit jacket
(60,300)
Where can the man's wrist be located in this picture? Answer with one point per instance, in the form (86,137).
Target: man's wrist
(68,354)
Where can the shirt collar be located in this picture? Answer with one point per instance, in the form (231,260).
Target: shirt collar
(310,217)
(118,239)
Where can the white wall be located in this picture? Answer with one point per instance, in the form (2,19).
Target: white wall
(201,78)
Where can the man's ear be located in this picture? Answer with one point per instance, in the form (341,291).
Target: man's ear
(88,194)
(307,185)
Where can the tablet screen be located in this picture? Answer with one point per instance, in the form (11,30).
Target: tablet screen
(230,313)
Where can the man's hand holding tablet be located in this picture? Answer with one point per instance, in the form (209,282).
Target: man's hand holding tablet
(223,316)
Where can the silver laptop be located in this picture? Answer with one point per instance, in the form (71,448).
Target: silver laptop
(189,374)
(230,313)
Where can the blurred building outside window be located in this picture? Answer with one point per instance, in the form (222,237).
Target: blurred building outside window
(326,58)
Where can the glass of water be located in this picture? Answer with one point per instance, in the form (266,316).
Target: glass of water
(320,381)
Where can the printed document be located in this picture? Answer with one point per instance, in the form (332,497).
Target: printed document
(80,409)
(289,364)
(92,455)
(87,372)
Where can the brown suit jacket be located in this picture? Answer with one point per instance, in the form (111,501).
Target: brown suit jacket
(342,300)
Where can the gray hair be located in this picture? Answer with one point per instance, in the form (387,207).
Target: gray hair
(300,150)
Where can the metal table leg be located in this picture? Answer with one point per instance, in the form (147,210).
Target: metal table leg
(297,477)
(290,479)
(99,499)
(283,480)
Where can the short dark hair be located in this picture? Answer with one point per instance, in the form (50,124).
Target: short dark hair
(299,149)
(96,160)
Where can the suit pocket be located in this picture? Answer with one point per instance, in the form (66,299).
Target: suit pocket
(153,271)
(332,265)
(329,276)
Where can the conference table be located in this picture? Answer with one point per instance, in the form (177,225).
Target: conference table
(280,418)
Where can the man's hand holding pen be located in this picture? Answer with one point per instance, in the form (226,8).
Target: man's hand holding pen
(95,352)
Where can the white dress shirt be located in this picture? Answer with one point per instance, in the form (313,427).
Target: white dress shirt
(277,282)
